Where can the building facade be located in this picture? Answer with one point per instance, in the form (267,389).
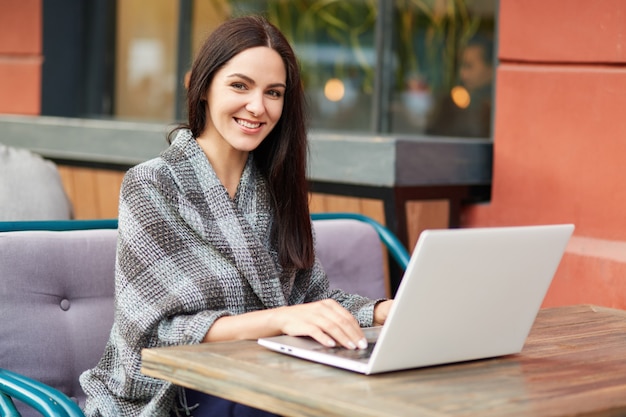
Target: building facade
(557,131)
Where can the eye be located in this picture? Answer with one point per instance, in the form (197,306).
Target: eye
(275,93)
(238,86)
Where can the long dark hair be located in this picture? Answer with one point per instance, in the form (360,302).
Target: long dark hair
(282,155)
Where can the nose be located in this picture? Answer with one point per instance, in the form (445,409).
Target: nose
(256,105)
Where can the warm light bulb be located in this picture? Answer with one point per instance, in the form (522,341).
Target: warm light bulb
(334,89)
(460,96)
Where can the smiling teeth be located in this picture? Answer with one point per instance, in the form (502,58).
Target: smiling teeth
(248,124)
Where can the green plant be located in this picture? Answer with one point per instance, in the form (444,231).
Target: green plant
(430,35)
(346,26)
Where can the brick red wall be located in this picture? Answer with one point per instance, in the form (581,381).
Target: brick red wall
(560,138)
(20,56)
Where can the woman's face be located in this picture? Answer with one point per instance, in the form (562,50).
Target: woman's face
(245,99)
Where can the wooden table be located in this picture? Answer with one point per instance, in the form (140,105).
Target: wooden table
(574,363)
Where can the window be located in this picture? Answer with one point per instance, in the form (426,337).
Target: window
(369,66)
(443,83)
(145,59)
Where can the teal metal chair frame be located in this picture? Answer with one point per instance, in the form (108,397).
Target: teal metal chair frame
(57,225)
(7,408)
(46,400)
(391,241)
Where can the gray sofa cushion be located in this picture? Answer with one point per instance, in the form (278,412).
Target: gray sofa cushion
(30,187)
(352,256)
(56,304)
(56,294)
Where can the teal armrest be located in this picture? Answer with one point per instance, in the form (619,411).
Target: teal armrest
(391,241)
(46,400)
(393,244)
(7,408)
(57,225)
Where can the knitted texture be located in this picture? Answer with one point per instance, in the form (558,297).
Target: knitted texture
(187,255)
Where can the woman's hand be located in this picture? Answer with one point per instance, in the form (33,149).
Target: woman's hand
(325,321)
(381,312)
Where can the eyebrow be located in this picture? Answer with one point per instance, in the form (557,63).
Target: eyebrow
(251,81)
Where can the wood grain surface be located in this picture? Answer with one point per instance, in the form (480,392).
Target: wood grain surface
(574,363)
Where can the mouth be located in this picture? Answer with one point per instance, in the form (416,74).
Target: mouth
(247,124)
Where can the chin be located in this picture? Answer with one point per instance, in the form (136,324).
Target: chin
(247,147)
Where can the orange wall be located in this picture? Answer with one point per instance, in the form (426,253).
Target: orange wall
(560,138)
(20,56)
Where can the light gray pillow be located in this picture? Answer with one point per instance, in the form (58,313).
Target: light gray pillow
(30,187)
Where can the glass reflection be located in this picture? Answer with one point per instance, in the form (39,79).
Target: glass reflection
(466,111)
(145,73)
(444,82)
(438,83)
(334,41)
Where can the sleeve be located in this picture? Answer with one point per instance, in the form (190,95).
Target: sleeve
(158,301)
(159,262)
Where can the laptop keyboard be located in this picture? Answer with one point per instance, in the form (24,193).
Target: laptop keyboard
(349,353)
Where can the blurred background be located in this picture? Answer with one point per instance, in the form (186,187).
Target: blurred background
(368,65)
(425,113)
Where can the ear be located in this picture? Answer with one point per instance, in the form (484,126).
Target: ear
(186,79)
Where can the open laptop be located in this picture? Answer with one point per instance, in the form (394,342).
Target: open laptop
(466,294)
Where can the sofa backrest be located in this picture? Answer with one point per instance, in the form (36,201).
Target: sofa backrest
(56,294)
(56,304)
(352,255)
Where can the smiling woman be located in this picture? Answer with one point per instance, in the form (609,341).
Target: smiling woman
(215,236)
(242,109)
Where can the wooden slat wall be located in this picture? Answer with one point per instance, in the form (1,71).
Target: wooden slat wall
(421,215)
(325,203)
(95,192)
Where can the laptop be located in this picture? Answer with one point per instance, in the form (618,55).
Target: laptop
(466,294)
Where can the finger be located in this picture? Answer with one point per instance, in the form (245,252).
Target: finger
(350,337)
(322,338)
(343,328)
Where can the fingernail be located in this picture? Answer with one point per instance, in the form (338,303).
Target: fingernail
(363,344)
(351,345)
(331,343)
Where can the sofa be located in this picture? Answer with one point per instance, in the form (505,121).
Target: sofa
(56,294)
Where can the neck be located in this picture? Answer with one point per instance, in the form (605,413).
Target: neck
(228,163)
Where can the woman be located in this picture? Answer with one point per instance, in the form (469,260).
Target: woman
(215,239)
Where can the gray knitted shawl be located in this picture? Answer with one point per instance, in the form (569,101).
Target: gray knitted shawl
(187,255)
